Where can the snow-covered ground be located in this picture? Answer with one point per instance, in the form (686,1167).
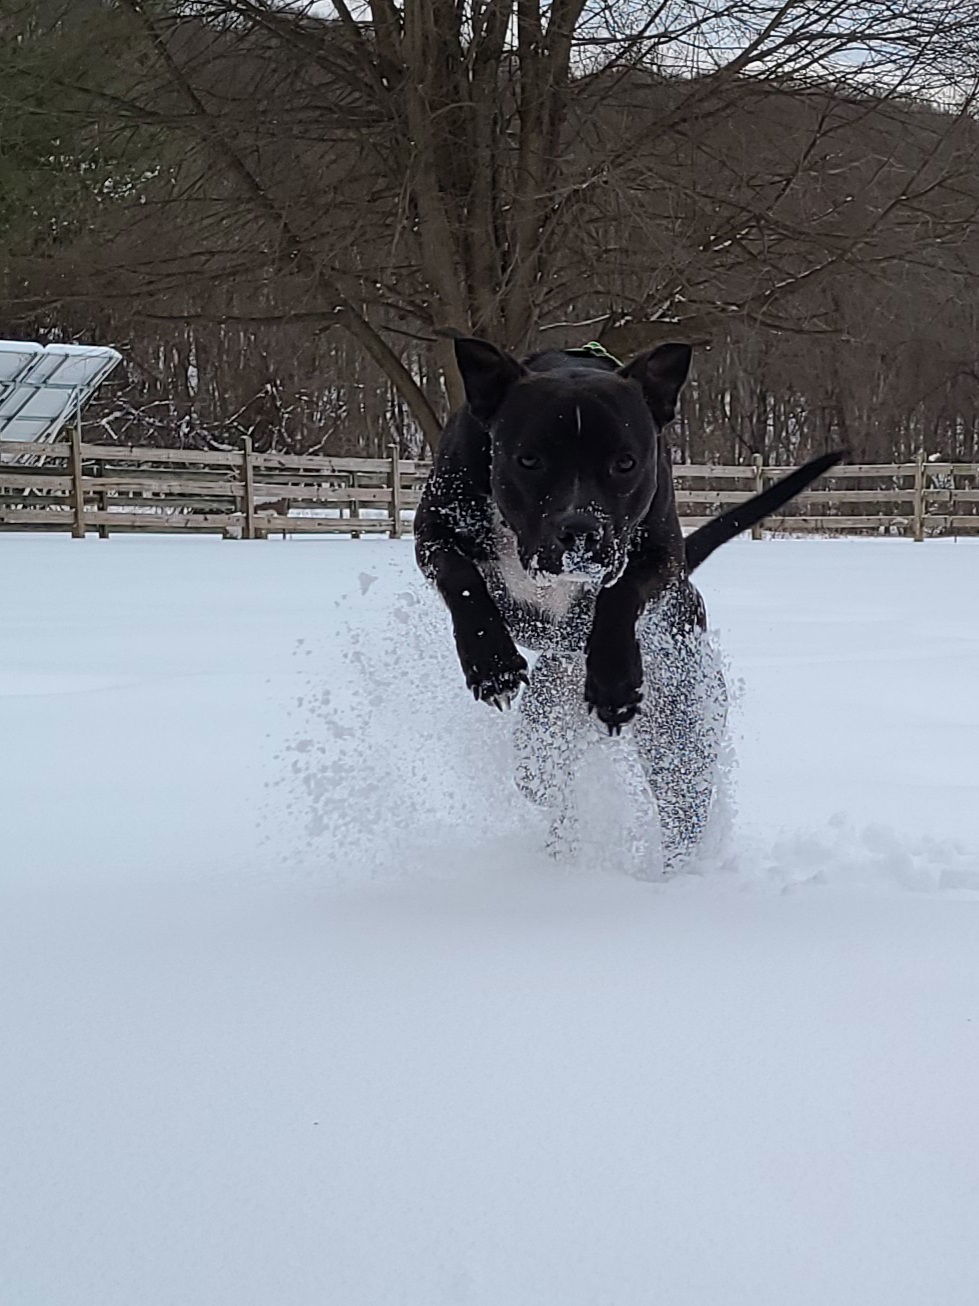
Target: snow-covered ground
(294,1011)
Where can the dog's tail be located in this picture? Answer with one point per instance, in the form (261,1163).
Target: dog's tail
(702,542)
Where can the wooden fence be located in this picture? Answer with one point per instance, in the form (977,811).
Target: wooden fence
(74,486)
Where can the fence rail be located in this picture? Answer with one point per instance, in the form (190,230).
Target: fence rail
(75,486)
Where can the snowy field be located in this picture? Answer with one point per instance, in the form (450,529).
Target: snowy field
(295,1012)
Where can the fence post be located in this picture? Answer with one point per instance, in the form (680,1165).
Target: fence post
(395,492)
(919,496)
(77,490)
(103,502)
(951,510)
(247,475)
(355,502)
(758,462)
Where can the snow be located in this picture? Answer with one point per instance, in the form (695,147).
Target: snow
(295,1011)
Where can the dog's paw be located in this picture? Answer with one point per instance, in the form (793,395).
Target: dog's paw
(613,690)
(615,712)
(495,676)
(500,688)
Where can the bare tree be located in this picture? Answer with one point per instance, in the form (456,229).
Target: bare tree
(327,194)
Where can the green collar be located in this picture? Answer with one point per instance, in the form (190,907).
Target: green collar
(593,350)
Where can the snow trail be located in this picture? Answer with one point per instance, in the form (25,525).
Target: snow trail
(296,1010)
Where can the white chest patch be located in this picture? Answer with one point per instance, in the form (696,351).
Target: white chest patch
(551,595)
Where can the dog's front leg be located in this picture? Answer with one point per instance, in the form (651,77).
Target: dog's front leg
(491,663)
(613,662)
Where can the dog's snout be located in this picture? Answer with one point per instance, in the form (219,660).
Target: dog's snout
(578,531)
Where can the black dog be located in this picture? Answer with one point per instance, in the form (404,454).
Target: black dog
(549,519)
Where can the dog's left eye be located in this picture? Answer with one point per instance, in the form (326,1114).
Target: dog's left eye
(529,462)
(624,464)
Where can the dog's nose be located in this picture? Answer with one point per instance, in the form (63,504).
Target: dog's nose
(578,531)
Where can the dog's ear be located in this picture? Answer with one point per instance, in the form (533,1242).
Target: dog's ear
(661,372)
(487,374)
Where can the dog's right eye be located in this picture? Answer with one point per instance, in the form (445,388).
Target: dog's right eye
(529,462)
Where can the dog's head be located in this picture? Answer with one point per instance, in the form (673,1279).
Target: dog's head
(575,451)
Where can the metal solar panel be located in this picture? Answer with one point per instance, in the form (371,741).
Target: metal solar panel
(41,387)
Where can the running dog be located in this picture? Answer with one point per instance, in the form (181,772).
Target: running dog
(549,521)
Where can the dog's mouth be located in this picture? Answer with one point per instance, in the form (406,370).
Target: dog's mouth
(613,572)
(545,567)
(579,565)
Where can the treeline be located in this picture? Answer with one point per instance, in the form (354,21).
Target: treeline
(278,217)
